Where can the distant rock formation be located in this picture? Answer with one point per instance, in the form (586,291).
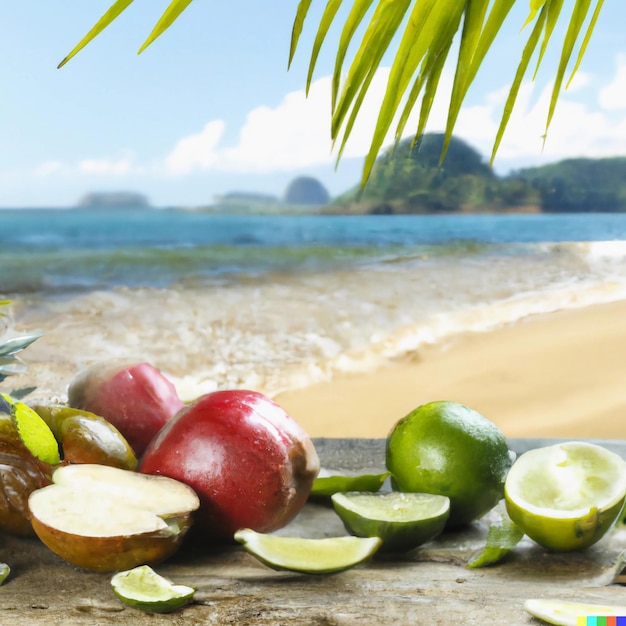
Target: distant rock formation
(306,190)
(114,200)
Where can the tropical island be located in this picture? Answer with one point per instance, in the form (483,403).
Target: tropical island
(408,180)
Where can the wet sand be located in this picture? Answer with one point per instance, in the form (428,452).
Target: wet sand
(556,375)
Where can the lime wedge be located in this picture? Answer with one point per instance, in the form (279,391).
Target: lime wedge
(563,613)
(567,496)
(144,589)
(402,520)
(327,485)
(309,556)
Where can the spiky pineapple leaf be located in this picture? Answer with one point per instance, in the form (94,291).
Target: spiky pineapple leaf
(16,344)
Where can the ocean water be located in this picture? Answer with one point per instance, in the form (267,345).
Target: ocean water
(277,302)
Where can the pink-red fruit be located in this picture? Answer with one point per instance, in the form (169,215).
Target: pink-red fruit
(135,397)
(250,463)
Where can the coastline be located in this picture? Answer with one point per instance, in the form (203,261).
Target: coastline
(561,374)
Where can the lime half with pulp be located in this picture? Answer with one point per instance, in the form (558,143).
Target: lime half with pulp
(308,556)
(567,496)
(144,589)
(402,520)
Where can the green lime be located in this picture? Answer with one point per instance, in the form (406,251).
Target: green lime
(567,496)
(402,520)
(309,556)
(448,449)
(144,589)
(327,484)
(564,613)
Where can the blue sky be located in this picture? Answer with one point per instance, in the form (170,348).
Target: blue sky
(210,107)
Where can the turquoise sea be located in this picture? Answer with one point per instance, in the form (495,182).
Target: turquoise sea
(275,302)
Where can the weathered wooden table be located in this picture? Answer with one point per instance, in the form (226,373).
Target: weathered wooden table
(430,585)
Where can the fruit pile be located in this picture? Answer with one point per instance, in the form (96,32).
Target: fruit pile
(114,481)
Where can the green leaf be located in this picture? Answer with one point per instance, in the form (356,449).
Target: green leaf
(113,12)
(586,39)
(428,27)
(33,430)
(327,18)
(502,537)
(527,53)
(378,35)
(354,19)
(171,14)
(473,56)
(296,29)
(579,14)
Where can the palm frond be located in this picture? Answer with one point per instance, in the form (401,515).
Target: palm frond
(425,39)
(170,15)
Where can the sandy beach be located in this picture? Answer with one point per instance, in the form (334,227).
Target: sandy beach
(556,375)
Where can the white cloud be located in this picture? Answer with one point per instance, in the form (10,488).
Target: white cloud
(613,95)
(196,151)
(295,134)
(122,166)
(48,168)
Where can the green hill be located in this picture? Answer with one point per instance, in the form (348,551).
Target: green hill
(406,180)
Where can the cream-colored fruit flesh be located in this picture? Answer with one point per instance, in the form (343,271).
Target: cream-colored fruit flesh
(100,501)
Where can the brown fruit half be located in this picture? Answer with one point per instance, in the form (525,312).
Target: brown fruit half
(87,438)
(105,519)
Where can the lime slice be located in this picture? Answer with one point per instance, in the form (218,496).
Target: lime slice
(563,613)
(309,556)
(327,485)
(567,496)
(144,589)
(402,520)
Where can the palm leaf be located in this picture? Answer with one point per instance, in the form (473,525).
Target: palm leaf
(429,26)
(527,53)
(423,47)
(112,13)
(296,29)
(171,14)
(378,35)
(579,13)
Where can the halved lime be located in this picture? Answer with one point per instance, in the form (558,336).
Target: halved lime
(567,496)
(402,520)
(565,613)
(309,556)
(144,589)
(326,484)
